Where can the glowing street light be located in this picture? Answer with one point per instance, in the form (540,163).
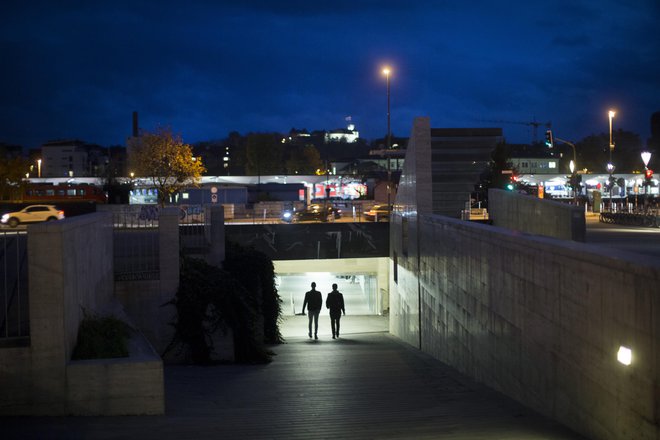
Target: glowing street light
(611,114)
(39,168)
(646,157)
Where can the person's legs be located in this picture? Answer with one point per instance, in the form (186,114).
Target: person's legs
(337,325)
(316,324)
(310,315)
(332,326)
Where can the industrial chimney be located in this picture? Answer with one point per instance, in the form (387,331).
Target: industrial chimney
(135,124)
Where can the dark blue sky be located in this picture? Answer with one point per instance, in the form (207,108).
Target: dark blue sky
(79,69)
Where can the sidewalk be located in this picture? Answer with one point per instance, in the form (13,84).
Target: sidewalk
(365,385)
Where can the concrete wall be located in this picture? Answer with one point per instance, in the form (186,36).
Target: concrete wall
(536,318)
(70,270)
(146,301)
(532,215)
(313,240)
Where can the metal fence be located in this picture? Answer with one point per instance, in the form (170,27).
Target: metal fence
(14,305)
(136,248)
(193,229)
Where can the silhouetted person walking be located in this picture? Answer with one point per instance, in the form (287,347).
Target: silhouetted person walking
(335,302)
(314,302)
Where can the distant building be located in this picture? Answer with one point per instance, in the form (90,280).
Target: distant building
(526,159)
(72,158)
(457,156)
(348,135)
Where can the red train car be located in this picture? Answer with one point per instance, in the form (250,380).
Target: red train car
(67,192)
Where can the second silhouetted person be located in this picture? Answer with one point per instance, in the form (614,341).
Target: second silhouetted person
(335,302)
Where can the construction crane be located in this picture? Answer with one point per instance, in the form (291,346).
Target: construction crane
(534,124)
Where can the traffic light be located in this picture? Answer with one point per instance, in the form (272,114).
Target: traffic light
(513,180)
(648,174)
(548,139)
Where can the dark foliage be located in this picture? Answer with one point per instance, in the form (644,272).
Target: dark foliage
(101,338)
(211,300)
(254,270)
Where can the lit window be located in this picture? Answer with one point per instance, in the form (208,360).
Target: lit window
(552,165)
(184,196)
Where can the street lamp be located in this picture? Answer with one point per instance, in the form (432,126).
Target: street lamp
(571,166)
(386,72)
(610,182)
(646,158)
(611,114)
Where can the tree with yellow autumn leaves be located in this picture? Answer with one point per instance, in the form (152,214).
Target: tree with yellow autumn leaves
(168,162)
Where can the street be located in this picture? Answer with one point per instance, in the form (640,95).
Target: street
(628,238)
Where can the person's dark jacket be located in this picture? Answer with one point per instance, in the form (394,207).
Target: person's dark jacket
(313,301)
(335,302)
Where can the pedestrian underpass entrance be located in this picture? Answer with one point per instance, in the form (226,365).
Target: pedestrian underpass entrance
(362,281)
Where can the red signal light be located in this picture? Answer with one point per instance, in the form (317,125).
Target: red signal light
(648,173)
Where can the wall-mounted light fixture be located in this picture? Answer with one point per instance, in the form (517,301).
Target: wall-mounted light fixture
(624,355)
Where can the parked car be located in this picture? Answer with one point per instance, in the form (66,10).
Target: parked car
(314,212)
(32,214)
(378,213)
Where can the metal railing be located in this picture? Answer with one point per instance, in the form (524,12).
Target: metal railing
(136,247)
(14,305)
(650,219)
(193,229)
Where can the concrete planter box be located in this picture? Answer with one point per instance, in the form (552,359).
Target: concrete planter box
(120,386)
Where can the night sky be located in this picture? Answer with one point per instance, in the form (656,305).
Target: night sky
(79,69)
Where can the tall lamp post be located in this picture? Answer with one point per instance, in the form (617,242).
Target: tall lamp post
(386,72)
(610,182)
(646,158)
(572,165)
(611,114)
(610,166)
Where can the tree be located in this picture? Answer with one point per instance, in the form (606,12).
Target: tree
(493,177)
(168,162)
(593,152)
(303,160)
(264,154)
(12,176)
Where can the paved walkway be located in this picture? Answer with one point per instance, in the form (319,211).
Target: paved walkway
(365,385)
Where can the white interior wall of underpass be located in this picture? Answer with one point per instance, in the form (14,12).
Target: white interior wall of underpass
(362,281)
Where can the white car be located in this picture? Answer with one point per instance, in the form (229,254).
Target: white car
(32,214)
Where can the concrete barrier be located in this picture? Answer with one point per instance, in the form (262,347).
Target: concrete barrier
(531,215)
(536,318)
(70,271)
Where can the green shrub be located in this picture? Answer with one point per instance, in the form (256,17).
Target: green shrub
(101,337)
